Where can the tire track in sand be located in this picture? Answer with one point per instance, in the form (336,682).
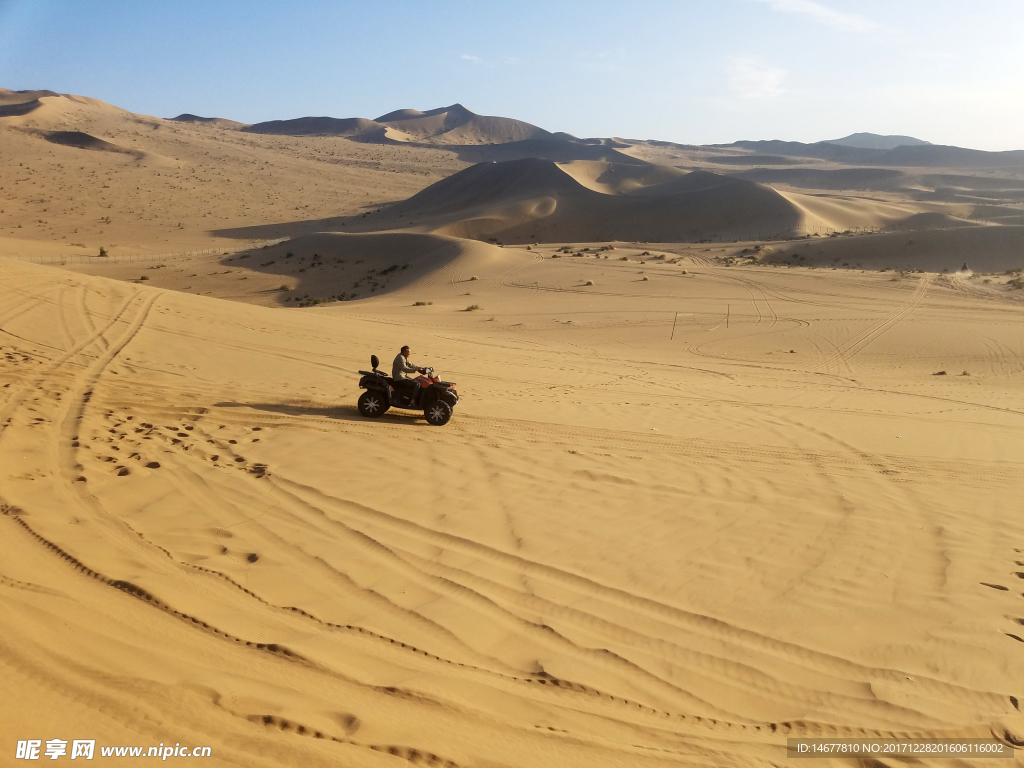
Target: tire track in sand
(846,351)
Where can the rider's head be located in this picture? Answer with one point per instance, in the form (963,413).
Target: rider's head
(406,351)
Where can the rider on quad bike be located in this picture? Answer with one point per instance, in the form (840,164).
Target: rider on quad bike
(400,370)
(427,392)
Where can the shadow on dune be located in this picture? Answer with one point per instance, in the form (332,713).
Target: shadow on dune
(339,412)
(340,266)
(351,224)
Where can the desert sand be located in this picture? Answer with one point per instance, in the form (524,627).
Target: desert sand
(696,498)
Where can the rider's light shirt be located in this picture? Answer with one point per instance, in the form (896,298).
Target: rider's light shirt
(401,367)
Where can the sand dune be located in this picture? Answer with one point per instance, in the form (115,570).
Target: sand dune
(541,201)
(849,212)
(697,497)
(219,187)
(984,249)
(181,186)
(645,539)
(537,200)
(310,269)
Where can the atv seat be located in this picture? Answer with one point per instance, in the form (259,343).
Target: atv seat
(380,375)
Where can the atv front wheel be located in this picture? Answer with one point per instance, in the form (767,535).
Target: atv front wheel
(438,413)
(372,404)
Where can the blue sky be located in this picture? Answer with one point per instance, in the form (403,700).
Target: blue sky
(947,71)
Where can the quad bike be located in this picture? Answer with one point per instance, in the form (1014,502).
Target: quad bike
(434,397)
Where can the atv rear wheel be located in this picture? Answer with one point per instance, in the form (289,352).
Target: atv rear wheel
(438,413)
(372,404)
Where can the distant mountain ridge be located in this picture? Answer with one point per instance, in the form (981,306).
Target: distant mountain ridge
(921,156)
(477,137)
(875,141)
(454,125)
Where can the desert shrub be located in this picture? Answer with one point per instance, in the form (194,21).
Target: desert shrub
(623,258)
(473,307)
(423,303)
(144,277)
(285,288)
(103,252)
(474,277)
(589,282)
(1016,283)
(646,278)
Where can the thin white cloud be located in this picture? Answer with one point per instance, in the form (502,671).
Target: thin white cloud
(822,14)
(471,58)
(752,78)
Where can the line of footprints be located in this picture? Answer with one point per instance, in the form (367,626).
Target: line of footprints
(123,445)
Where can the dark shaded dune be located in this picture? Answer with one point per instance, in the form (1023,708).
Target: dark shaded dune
(406,114)
(754,160)
(555,150)
(924,156)
(314,126)
(978,196)
(1000,214)
(80,140)
(923,221)
(8,98)
(814,178)
(695,181)
(819,151)
(490,184)
(614,143)
(949,180)
(19,108)
(669,144)
(187,117)
(219,122)
(536,200)
(984,249)
(875,141)
(939,156)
